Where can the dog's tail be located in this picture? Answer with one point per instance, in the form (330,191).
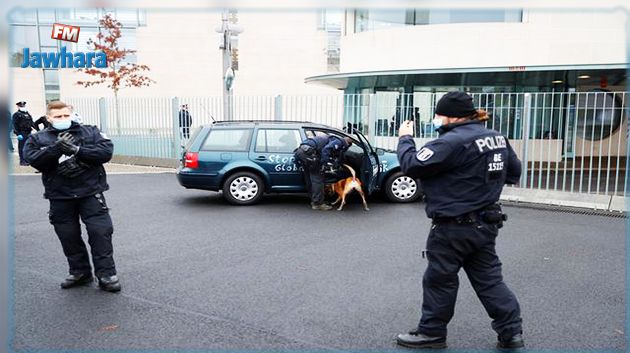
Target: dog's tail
(354,176)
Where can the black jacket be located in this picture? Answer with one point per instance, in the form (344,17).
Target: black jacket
(463,170)
(185,120)
(329,147)
(22,123)
(95,149)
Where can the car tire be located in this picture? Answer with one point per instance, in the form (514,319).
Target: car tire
(400,188)
(243,188)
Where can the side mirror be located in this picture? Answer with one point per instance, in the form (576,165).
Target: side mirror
(380,152)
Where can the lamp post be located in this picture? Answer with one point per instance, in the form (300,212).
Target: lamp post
(227,32)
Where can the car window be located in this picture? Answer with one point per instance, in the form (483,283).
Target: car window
(192,138)
(236,140)
(313,133)
(277,140)
(356,147)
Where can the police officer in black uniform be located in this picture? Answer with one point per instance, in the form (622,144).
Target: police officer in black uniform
(22,127)
(314,154)
(71,157)
(462,174)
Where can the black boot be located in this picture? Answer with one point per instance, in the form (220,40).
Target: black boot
(515,341)
(415,339)
(77,280)
(109,284)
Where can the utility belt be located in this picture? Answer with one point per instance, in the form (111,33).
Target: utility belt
(491,214)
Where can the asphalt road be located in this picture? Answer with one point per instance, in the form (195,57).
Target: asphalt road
(198,273)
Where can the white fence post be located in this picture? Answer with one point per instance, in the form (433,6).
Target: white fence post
(102,114)
(527,115)
(176,134)
(371,118)
(277,113)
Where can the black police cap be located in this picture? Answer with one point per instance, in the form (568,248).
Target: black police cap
(20,103)
(455,104)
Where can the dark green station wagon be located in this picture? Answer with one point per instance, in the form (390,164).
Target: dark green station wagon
(246,159)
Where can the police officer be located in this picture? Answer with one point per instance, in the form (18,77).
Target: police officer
(314,154)
(22,127)
(71,157)
(185,121)
(462,174)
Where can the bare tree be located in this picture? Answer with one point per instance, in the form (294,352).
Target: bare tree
(118,74)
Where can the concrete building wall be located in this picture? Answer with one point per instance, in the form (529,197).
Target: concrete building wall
(277,50)
(543,38)
(28,85)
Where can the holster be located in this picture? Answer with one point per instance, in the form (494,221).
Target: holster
(493,215)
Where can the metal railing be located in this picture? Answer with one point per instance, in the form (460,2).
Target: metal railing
(568,141)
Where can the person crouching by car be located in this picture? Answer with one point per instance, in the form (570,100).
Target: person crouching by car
(70,157)
(312,155)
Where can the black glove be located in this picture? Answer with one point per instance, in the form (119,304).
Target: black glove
(71,168)
(65,141)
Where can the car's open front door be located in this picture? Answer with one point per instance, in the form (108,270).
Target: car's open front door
(369,168)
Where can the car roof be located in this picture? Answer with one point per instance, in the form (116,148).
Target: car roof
(275,123)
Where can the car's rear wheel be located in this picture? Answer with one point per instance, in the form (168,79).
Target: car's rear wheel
(402,189)
(243,188)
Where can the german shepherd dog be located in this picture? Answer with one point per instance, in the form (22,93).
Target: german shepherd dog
(344,186)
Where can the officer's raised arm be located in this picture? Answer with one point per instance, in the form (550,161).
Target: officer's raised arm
(514,168)
(432,158)
(99,152)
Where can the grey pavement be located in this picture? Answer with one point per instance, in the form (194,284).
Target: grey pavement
(198,273)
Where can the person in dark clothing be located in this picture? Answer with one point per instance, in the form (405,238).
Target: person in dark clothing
(185,121)
(22,127)
(43,120)
(462,174)
(316,153)
(70,157)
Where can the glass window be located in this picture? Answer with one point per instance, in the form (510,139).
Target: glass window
(383,19)
(23,16)
(85,15)
(22,37)
(52,96)
(51,79)
(261,141)
(142,17)
(127,40)
(45,37)
(84,35)
(46,16)
(228,140)
(278,141)
(128,17)
(360,21)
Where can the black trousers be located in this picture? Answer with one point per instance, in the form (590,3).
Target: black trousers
(451,246)
(185,131)
(92,210)
(313,177)
(21,144)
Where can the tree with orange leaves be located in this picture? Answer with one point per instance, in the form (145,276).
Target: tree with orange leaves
(118,74)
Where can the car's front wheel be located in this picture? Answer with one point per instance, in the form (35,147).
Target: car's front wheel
(243,188)
(402,189)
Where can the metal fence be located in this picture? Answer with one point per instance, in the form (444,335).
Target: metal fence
(574,142)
